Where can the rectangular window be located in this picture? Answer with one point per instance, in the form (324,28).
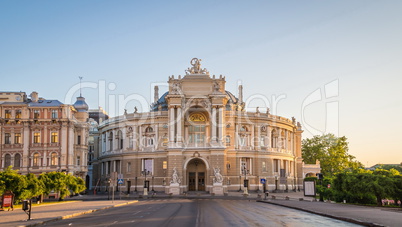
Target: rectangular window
(262,141)
(147,166)
(150,141)
(78,160)
(227,140)
(7,114)
(128,167)
(18,114)
(196,135)
(36,137)
(164,165)
(245,166)
(54,114)
(79,140)
(276,165)
(165,141)
(17,138)
(264,166)
(36,159)
(243,140)
(36,113)
(54,159)
(54,137)
(7,138)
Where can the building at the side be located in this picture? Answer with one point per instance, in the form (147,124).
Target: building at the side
(40,135)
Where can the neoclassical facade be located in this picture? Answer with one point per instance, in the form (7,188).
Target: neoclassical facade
(40,135)
(193,131)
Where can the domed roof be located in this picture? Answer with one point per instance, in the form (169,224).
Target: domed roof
(161,102)
(80,105)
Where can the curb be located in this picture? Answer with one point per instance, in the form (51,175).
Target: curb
(80,213)
(351,220)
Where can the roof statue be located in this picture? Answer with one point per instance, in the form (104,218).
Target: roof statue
(196,69)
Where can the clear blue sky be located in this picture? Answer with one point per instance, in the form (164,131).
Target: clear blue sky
(284,50)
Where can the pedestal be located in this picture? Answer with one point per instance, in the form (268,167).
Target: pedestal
(174,189)
(217,189)
(145,191)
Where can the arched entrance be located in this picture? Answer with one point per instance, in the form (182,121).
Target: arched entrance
(196,175)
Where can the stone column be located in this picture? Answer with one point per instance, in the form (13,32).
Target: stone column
(135,137)
(220,126)
(213,126)
(140,139)
(258,147)
(252,137)
(179,127)
(25,143)
(171,125)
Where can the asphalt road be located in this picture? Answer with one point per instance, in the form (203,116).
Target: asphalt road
(199,212)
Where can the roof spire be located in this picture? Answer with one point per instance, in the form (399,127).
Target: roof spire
(80,85)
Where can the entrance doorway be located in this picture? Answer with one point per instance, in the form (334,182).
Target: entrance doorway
(196,175)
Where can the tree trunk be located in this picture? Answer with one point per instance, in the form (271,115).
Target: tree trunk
(379,201)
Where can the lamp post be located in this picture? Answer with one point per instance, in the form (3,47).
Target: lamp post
(153,184)
(146,183)
(135,185)
(239,184)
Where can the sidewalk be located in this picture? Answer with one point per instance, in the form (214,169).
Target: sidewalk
(363,215)
(46,213)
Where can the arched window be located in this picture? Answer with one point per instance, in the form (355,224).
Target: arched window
(197,129)
(7,160)
(149,129)
(274,138)
(36,159)
(283,140)
(243,136)
(120,139)
(54,159)
(111,141)
(17,160)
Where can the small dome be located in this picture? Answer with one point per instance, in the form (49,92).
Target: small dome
(80,105)
(161,102)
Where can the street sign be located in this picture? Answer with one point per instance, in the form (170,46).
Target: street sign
(263,181)
(120,181)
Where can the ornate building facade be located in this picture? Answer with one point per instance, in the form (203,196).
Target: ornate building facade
(198,134)
(40,135)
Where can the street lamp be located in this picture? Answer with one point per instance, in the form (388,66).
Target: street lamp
(135,185)
(239,183)
(153,184)
(146,183)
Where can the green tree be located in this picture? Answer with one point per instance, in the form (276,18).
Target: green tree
(62,183)
(11,180)
(331,151)
(35,187)
(365,186)
(389,167)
